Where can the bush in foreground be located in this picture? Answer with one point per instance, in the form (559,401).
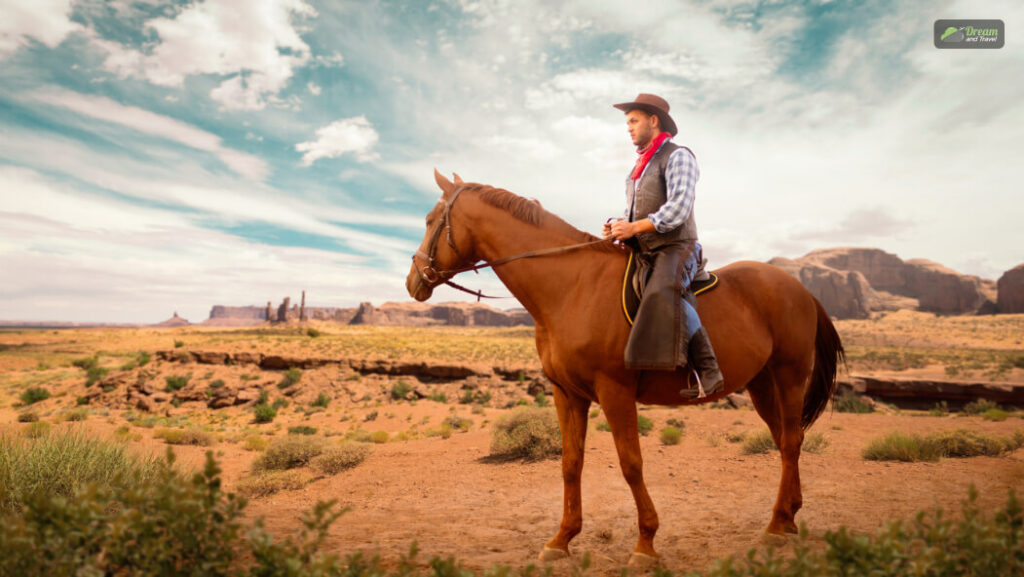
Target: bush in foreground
(270,482)
(33,395)
(527,433)
(56,464)
(670,436)
(897,446)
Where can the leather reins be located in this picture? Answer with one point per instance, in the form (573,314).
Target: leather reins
(432,276)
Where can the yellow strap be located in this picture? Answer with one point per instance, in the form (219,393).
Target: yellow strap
(625,283)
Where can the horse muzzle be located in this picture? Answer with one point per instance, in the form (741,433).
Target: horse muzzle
(418,285)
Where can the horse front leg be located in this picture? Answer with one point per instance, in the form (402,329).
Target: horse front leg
(619,406)
(572,420)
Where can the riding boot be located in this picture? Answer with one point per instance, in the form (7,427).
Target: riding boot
(705,365)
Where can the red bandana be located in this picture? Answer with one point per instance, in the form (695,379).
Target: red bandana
(647,153)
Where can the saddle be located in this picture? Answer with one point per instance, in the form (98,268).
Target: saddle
(635,278)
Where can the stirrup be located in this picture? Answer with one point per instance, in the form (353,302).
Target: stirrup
(700,394)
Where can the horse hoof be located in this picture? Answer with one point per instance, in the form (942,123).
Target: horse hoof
(643,561)
(550,555)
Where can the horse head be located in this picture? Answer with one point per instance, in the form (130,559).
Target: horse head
(439,255)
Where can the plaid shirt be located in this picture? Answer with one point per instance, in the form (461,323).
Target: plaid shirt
(681,176)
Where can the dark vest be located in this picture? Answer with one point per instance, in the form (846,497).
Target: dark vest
(650,195)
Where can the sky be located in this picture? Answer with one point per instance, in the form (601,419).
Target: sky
(161,156)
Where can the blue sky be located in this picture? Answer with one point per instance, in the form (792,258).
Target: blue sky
(160,156)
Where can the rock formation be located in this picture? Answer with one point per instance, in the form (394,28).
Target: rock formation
(174,321)
(282,311)
(395,314)
(853,282)
(1011,291)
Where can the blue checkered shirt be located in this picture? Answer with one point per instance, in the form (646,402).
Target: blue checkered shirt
(681,176)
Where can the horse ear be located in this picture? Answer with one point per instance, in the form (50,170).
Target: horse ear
(446,185)
(458,179)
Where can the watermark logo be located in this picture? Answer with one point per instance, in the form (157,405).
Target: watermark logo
(969,34)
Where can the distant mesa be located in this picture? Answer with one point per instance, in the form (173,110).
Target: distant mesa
(852,283)
(174,321)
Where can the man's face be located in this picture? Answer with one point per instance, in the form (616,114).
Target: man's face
(642,127)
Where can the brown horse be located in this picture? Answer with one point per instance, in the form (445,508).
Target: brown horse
(770,334)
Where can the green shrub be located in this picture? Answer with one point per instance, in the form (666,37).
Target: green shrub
(996,415)
(758,443)
(58,464)
(438,398)
(269,482)
(176,383)
(670,436)
(302,430)
(897,446)
(279,404)
(964,443)
(340,457)
(291,377)
(604,427)
(185,437)
(255,443)
(86,363)
(264,413)
(541,399)
(179,344)
(400,390)
(217,384)
(322,400)
(941,409)
(644,425)
(851,404)
(380,437)
(289,452)
(79,401)
(28,417)
(94,375)
(313,333)
(142,359)
(979,406)
(527,433)
(33,395)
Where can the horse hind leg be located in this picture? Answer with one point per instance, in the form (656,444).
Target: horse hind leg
(778,397)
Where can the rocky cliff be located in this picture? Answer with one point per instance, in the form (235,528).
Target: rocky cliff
(389,314)
(1011,290)
(854,282)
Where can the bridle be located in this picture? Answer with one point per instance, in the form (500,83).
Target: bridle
(433,277)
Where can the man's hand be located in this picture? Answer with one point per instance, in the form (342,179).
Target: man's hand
(625,230)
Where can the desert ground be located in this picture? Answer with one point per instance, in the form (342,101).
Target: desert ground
(429,478)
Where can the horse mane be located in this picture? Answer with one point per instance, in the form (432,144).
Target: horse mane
(530,211)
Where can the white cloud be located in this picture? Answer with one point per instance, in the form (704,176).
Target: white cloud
(45,21)
(313,88)
(255,44)
(348,135)
(148,122)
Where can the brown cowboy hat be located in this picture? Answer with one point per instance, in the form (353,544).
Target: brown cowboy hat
(652,104)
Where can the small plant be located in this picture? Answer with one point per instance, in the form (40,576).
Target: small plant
(604,427)
(996,415)
(322,400)
(527,433)
(312,333)
(594,413)
(179,344)
(289,452)
(33,395)
(75,415)
(979,407)
(142,359)
(758,443)
(851,404)
(400,390)
(735,436)
(81,401)
(302,430)
(38,429)
(28,417)
(380,437)
(644,425)
(336,459)
(279,404)
(814,443)
(264,413)
(371,416)
(897,446)
(176,383)
(86,363)
(458,423)
(941,409)
(267,483)
(677,423)
(291,377)
(219,383)
(255,443)
(438,398)
(670,436)
(541,399)
(185,437)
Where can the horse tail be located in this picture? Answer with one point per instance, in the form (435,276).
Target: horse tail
(828,352)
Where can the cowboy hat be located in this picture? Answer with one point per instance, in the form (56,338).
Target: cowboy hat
(651,104)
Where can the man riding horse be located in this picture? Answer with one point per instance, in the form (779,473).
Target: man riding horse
(659,216)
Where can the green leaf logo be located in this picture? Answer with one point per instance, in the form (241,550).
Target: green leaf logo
(952,34)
